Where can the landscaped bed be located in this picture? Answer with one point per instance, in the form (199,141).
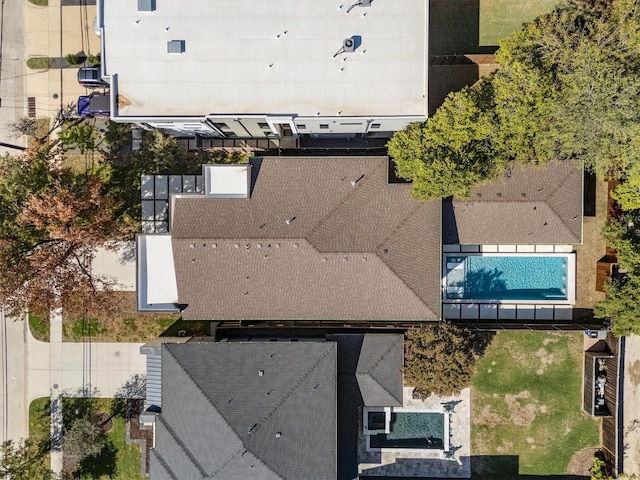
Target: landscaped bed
(117,460)
(124,325)
(526,397)
(40,424)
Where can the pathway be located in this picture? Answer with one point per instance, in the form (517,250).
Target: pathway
(31,369)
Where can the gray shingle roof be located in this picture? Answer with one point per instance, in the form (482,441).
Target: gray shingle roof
(379,370)
(367,251)
(529,205)
(221,418)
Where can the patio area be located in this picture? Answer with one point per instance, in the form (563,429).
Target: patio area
(424,462)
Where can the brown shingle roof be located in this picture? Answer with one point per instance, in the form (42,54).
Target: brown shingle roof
(367,251)
(528,205)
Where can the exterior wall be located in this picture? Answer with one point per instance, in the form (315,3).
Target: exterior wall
(268,126)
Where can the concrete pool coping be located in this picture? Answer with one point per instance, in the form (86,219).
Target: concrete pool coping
(548,313)
(416,462)
(389,411)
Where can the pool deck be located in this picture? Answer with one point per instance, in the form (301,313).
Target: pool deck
(429,463)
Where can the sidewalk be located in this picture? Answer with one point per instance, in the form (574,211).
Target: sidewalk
(56,31)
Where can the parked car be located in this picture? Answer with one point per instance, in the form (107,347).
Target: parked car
(94,105)
(91,77)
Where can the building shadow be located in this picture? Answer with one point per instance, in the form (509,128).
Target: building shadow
(506,467)
(454,48)
(589,194)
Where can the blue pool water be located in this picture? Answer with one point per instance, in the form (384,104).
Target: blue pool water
(506,277)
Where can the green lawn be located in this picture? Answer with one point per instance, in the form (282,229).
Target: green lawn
(118,460)
(40,423)
(527,404)
(39,326)
(500,18)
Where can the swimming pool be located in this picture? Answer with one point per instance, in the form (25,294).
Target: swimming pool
(507,277)
(413,430)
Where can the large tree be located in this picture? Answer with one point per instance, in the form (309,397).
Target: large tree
(439,359)
(23,460)
(85,438)
(52,219)
(622,305)
(567,89)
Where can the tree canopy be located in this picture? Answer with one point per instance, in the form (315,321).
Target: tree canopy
(52,219)
(439,359)
(23,461)
(567,88)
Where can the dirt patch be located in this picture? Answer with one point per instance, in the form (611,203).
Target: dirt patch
(505,447)
(547,341)
(522,415)
(105,421)
(546,358)
(487,417)
(581,462)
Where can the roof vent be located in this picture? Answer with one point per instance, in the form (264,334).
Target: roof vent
(261,373)
(278,434)
(146,5)
(348,45)
(175,47)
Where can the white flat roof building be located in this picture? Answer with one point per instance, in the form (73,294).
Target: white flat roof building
(276,65)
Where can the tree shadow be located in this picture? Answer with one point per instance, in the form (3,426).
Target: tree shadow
(484,283)
(77,407)
(134,388)
(104,464)
(507,467)
(454,31)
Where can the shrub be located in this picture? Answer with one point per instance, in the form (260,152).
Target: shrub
(38,63)
(75,58)
(93,60)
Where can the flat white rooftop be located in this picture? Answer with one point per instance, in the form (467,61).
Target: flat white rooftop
(269,57)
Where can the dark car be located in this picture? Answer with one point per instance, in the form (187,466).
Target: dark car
(94,105)
(90,77)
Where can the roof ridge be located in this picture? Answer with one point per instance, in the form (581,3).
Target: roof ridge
(364,180)
(234,456)
(550,203)
(376,363)
(190,377)
(298,383)
(182,446)
(165,466)
(392,234)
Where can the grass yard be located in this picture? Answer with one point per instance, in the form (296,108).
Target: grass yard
(39,326)
(500,18)
(122,325)
(527,405)
(40,424)
(118,460)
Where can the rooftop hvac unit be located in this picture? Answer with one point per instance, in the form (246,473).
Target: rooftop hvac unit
(348,45)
